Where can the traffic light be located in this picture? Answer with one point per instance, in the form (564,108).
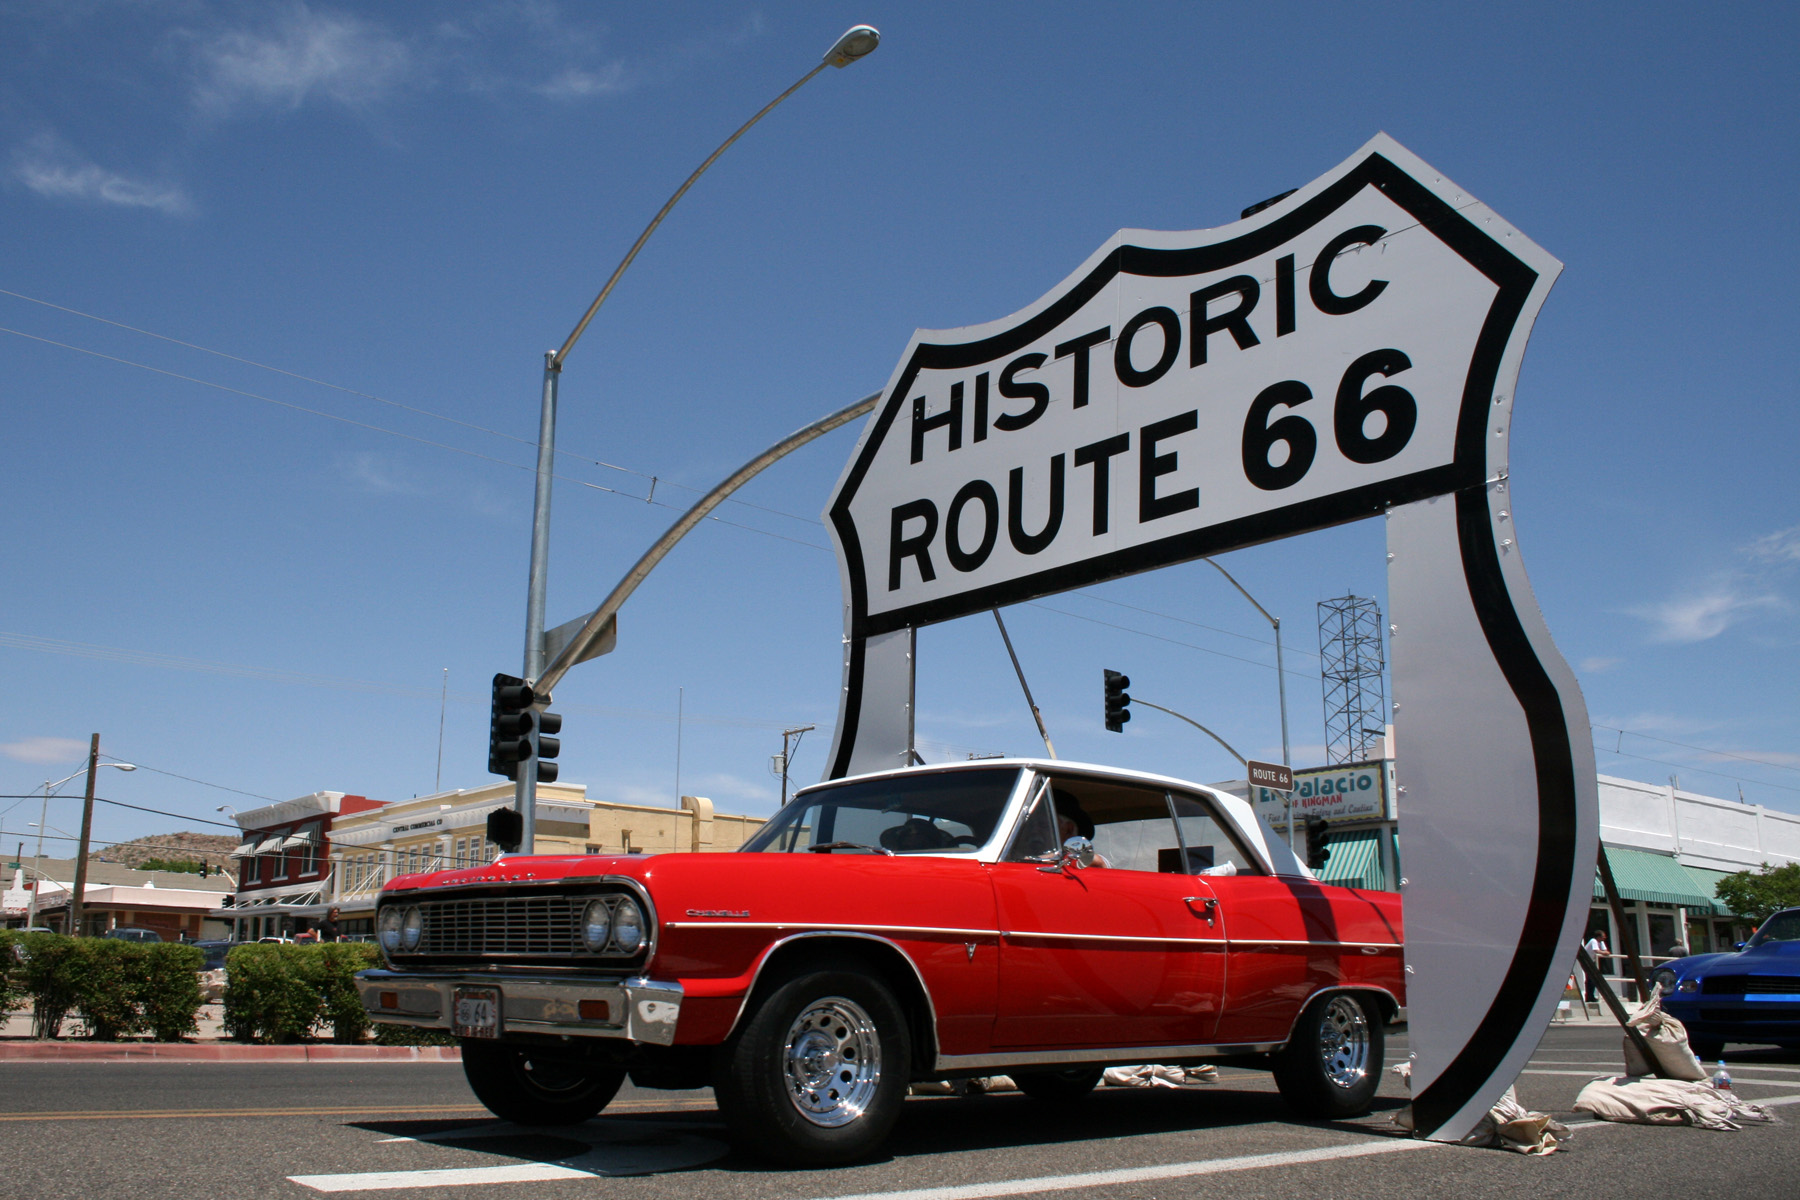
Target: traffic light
(516,734)
(1118,701)
(511,727)
(547,746)
(506,829)
(1318,836)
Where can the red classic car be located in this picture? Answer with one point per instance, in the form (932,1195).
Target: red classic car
(1041,919)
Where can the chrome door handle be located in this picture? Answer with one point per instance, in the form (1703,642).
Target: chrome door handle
(1208,906)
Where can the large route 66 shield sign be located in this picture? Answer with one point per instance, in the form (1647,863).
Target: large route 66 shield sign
(1347,352)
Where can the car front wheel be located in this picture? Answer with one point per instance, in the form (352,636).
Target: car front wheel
(517,1084)
(1331,1066)
(818,1073)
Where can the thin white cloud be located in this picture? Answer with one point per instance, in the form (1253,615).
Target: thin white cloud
(45,750)
(575,83)
(1599,664)
(54,170)
(1703,616)
(1780,547)
(303,55)
(373,473)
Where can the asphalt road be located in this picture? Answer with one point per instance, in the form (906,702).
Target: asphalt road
(119,1131)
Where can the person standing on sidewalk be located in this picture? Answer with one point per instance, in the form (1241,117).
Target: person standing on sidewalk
(328,928)
(1597,950)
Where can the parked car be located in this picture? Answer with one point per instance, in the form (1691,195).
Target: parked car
(132,933)
(1041,919)
(1750,994)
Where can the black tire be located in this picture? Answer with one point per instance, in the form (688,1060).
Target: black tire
(1058,1087)
(1706,1048)
(526,1090)
(817,1074)
(1331,1066)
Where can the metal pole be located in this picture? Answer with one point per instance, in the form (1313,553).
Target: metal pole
(87,826)
(525,793)
(1286,761)
(31,909)
(443,704)
(1197,725)
(1026,687)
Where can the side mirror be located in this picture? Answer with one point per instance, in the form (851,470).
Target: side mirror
(1738,946)
(1078,852)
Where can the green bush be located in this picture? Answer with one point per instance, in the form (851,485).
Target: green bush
(12,982)
(411,1035)
(49,976)
(333,967)
(271,993)
(169,993)
(106,976)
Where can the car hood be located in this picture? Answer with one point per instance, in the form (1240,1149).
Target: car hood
(1777,958)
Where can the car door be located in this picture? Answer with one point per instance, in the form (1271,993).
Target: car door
(1126,952)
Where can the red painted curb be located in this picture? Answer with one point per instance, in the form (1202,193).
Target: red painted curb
(218,1052)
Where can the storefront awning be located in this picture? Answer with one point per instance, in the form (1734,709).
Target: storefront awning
(1654,879)
(269,845)
(1708,879)
(297,841)
(1355,861)
(245,850)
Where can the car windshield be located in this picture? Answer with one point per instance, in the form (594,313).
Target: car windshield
(1782,927)
(930,812)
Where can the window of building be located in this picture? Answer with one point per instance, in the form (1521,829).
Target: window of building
(252,869)
(280,859)
(310,853)
(462,851)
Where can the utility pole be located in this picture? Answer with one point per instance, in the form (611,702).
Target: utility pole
(787,758)
(87,828)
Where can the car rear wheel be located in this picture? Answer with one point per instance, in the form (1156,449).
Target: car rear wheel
(1331,1066)
(521,1085)
(1705,1048)
(818,1073)
(1058,1087)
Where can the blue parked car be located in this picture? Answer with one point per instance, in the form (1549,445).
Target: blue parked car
(1751,994)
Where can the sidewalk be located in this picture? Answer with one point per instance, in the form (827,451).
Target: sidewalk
(210,1045)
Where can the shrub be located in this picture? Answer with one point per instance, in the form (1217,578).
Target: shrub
(333,967)
(48,976)
(270,994)
(411,1035)
(170,990)
(105,976)
(12,981)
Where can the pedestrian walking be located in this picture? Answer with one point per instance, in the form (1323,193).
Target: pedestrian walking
(1597,951)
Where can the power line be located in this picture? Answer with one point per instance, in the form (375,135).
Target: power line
(1698,770)
(1761,762)
(203,783)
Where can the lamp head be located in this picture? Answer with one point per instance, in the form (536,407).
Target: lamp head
(121,766)
(858,41)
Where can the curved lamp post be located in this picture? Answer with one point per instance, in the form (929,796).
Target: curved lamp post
(857,42)
(1280,685)
(81,852)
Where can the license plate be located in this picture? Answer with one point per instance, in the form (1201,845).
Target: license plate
(475,1013)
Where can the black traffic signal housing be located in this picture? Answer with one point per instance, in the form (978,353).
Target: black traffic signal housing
(506,829)
(517,734)
(1318,836)
(1118,701)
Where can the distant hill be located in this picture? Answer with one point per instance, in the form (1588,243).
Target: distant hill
(211,848)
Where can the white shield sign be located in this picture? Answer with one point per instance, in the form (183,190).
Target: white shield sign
(1348,351)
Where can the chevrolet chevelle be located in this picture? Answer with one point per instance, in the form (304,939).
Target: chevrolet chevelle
(1041,919)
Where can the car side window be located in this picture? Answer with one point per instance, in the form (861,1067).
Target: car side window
(1130,825)
(1036,839)
(1210,844)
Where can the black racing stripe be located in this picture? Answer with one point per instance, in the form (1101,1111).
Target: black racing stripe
(853,690)
(1537,956)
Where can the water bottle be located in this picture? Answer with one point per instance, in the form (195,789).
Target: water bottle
(1721,1079)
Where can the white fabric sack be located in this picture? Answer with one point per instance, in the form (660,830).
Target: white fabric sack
(1159,1076)
(1668,1042)
(1667,1102)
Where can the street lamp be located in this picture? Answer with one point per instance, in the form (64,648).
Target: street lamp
(857,42)
(1280,685)
(43,817)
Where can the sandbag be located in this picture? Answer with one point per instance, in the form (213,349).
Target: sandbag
(1667,1102)
(1668,1042)
(1160,1076)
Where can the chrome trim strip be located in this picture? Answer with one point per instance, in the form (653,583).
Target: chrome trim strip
(1175,939)
(947,931)
(840,931)
(805,926)
(1107,1054)
(640,1010)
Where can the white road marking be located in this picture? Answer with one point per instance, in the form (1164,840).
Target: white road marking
(1093,1179)
(609,1150)
(377,1181)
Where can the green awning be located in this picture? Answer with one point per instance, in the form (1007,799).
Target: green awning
(1355,861)
(1708,881)
(1654,878)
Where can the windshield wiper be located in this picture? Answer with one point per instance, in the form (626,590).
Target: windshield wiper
(822,847)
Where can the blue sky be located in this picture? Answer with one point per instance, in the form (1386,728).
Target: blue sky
(257,578)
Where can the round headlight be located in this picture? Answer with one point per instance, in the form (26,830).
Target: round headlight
(628,926)
(412,928)
(596,924)
(390,928)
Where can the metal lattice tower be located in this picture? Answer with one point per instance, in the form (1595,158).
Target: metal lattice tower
(1350,665)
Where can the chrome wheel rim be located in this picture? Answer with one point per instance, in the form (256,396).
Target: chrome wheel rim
(831,1061)
(1344,1042)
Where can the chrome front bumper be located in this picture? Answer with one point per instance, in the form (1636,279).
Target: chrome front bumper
(636,1009)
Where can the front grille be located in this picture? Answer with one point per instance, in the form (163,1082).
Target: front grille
(534,925)
(1750,985)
